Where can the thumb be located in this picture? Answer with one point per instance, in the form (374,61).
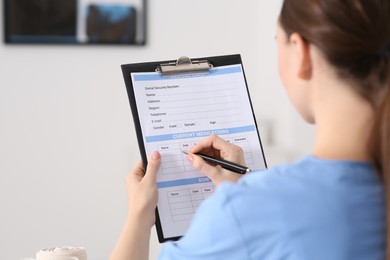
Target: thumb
(152,168)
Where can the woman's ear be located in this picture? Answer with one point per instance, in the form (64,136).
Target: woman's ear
(302,57)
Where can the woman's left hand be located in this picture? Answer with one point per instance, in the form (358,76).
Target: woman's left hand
(133,242)
(142,191)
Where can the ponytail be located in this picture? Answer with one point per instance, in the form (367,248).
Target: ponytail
(385,161)
(381,145)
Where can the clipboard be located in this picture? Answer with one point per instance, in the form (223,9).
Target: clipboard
(150,87)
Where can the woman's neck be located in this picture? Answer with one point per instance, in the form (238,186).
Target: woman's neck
(344,122)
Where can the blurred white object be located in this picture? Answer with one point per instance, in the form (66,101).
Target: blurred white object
(62,253)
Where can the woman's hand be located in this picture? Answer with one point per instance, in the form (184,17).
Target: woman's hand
(216,147)
(133,242)
(142,191)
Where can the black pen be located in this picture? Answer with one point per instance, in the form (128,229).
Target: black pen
(234,167)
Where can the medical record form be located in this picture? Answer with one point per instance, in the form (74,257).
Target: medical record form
(174,113)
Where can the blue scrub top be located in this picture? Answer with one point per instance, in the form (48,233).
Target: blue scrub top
(312,209)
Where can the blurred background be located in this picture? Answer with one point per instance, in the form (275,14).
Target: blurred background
(67,138)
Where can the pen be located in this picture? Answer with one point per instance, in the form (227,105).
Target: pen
(234,167)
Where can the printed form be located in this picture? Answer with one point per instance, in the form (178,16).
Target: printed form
(175,113)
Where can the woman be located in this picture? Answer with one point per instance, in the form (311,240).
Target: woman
(334,63)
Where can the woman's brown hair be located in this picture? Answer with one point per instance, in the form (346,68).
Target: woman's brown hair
(354,37)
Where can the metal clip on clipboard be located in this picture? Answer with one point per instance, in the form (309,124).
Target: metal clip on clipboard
(184,67)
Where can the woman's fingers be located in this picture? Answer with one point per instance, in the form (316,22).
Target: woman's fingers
(209,143)
(219,148)
(142,189)
(152,168)
(136,174)
(214,173)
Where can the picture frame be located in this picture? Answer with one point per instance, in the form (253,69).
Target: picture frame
(96,22)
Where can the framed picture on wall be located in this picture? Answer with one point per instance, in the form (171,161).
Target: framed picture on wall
(75,21)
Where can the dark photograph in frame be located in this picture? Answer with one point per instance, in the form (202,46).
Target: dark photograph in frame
(75,22)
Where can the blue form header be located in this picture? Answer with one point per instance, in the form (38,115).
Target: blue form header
(185,135)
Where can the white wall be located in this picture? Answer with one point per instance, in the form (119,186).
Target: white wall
(66,132)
